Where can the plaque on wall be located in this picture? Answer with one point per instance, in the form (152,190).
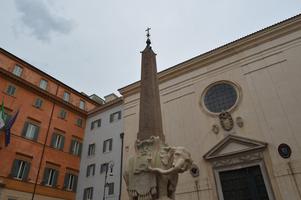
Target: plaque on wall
(284,150)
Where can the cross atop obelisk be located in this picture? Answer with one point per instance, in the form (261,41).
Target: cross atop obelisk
(150,119)
(148,42)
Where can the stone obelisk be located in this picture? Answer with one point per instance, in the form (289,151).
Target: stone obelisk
(152,171)
(150,120)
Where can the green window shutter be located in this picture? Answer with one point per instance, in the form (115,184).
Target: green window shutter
(36,133)
(53,139)
(119,115)
(93,169)
(111,144)
(74,183)
(104,146)
(26,171)
(25,129)
(15,168)
(111,118)
(85,194)
(91,193)
(55,177)
(66,180)
(62,143)
(46,176)
(80,149)
(71,146)
(88,171)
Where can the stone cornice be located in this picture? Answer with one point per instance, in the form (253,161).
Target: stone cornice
(35,89)
(43,74)
(106,106)
(267,34)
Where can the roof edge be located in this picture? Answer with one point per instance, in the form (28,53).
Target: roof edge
(229,49)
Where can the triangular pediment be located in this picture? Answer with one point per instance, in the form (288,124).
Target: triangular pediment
(232,145)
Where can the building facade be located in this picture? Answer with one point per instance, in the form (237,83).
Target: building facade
(101,161)
(236,110)
(43,157)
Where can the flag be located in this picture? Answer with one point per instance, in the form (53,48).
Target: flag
(9,125)
(2,120)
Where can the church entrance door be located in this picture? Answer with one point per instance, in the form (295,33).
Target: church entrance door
(243,184)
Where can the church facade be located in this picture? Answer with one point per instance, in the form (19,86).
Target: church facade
(236,110)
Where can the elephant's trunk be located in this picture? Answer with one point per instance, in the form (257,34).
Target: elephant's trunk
(176,168)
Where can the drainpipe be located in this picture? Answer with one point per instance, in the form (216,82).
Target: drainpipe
(121,163)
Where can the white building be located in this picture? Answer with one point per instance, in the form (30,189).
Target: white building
(251,151)
(102,148)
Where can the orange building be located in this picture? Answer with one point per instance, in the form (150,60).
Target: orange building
(43,157)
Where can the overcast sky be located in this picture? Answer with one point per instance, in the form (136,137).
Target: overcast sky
(94,45)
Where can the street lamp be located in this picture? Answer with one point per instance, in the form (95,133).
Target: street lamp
(109,165)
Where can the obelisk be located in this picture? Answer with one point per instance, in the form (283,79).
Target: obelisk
(152,171)
(150,119)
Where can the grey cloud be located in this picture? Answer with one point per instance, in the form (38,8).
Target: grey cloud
(36,16)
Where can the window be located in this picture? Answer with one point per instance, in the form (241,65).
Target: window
(58,141)
(62,114)
(88,193)
(43,84)
(76,147)
(70,182)
(82,104)
(111,188)
(11,90)
(38,103)
(104,167)
(50,177)
(219,97)
(66,96)
(96,123)
(79,122)
(90,170)
(30,131)
(115,116)
(91,149)
(107,145)
(20,169)
(17,70)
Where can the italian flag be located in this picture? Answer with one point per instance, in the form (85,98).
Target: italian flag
(2,120)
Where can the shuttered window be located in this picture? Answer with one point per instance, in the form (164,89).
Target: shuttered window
(11,90)
(58,141)
(90,170)
(88,193)
(17,70)
(75,147)
(115,116)
(95,123)
(38,103)
(70,182)
(111,188)
(108,145)
(43,84)
(50,177)
(30,131)
(20,169)
(62,114)
(91,149)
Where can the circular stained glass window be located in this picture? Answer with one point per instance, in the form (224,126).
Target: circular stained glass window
(220,97)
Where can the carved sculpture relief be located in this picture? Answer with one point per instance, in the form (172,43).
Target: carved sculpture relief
(153,172)
(226,121)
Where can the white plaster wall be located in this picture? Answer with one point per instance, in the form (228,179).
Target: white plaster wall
(98,136)
(269,77)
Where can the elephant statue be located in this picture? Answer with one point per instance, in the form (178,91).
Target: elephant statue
(153,172)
